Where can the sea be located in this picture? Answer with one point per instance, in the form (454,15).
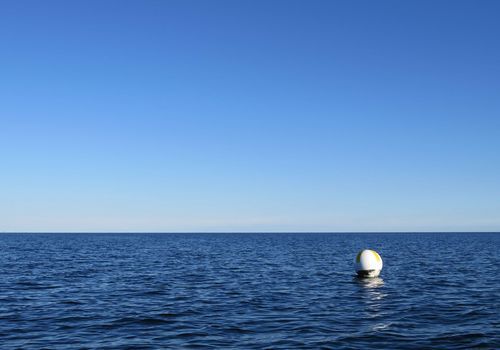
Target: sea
(248,291)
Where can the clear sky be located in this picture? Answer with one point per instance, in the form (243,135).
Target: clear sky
(249,115)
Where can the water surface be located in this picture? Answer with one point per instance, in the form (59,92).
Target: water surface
(248,291)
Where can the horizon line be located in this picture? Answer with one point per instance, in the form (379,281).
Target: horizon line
(236,232)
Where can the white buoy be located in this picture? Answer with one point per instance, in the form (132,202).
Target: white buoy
(368,263)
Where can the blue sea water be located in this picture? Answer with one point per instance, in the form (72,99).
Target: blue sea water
(248,291)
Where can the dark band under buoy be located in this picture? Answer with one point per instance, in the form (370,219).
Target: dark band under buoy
(365,273)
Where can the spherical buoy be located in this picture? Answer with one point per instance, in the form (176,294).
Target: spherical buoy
(368,263)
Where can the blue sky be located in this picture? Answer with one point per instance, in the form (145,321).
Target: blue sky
(249,116)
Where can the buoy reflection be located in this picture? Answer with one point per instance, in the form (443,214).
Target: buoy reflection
(375,282)
(371,289)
